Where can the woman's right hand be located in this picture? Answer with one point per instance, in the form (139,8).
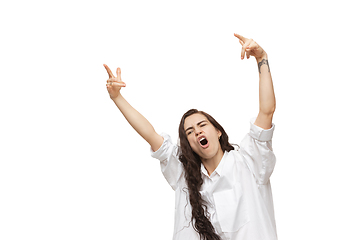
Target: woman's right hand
(114,84)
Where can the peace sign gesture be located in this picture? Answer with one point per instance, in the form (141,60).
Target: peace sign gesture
(250,47)
(114,84)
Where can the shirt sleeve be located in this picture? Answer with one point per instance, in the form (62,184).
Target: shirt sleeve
(170,165)
(256,148)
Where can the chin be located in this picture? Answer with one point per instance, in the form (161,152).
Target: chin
(208,155)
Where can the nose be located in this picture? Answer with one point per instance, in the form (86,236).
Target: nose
(198,132)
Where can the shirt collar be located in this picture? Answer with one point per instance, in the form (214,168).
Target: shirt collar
(219,168)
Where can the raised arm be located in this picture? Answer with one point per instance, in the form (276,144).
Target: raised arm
(136,120)
(267,100)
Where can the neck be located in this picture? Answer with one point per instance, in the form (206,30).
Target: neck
(212,163)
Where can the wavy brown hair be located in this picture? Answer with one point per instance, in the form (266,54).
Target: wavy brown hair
(192,165)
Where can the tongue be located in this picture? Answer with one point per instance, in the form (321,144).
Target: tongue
(203,142)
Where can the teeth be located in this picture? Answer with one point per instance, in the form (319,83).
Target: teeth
(202,139)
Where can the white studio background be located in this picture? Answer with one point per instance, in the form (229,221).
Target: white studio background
(71,167)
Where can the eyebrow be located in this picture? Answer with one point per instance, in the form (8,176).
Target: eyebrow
(196,124)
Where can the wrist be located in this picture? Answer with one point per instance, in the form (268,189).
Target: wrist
(264,56)
(116,97)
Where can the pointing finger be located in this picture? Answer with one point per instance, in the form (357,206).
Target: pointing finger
(240,41)
(109,71)
(241,38)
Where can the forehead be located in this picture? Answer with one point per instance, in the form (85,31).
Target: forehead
(193,119)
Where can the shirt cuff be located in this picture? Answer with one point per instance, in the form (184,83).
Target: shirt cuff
(161,153)
(260,133)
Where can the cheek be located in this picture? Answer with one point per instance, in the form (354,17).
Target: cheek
(192,143)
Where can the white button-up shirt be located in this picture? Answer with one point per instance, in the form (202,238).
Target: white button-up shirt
(238,192)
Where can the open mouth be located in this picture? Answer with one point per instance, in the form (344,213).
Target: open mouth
(203,141)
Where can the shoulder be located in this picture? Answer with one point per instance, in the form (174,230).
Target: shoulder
(235,166)
(234,156)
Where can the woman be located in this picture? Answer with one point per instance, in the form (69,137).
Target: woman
(220,192)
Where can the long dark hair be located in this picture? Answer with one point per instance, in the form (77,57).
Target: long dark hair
(192,165)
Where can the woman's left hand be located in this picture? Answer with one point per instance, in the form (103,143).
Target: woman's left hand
(250,48)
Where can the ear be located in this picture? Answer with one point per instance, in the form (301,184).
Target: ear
(219,133)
